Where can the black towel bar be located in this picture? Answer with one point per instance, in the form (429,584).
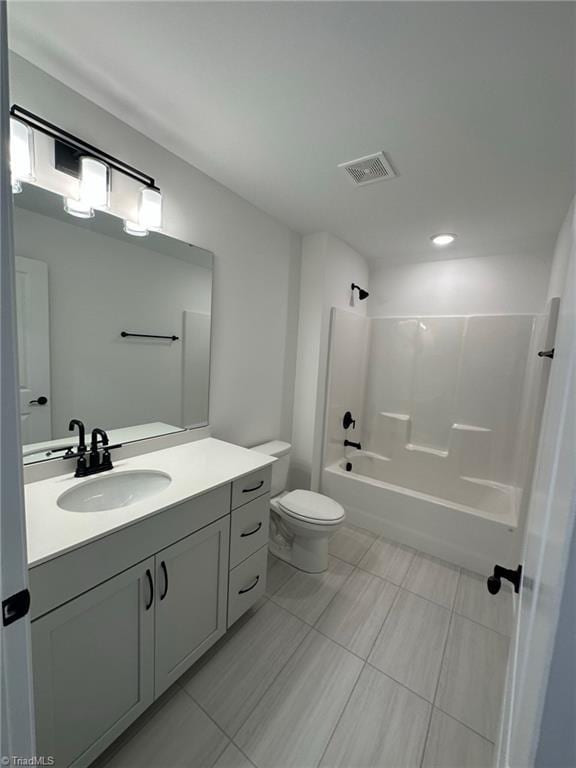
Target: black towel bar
(148,336)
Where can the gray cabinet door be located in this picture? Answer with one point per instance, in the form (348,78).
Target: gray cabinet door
(93,667)
(191,600)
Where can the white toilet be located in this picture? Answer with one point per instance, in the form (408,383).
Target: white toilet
(301,522)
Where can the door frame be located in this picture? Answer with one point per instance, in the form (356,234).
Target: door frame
(16,698)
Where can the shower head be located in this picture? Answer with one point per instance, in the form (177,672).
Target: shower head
(362,294)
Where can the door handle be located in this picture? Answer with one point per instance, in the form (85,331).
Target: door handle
(151,585)
(42,400)
(494,582)
(165,573)
(546,353)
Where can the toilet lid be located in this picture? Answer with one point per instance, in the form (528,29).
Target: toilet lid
(308,505)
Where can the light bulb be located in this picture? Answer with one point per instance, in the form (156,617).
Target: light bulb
(150,209)
(21,153)
(134,229)
(443,239)
(78,208)
(94,182)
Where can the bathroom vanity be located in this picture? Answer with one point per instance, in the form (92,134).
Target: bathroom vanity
(126,599)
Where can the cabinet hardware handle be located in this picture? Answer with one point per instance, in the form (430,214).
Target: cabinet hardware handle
(151,585)
(165,572)
(250,588)
(256,488)
(252,532)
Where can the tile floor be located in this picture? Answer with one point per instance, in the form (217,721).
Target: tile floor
(390,659)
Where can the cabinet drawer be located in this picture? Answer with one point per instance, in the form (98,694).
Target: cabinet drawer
(249,529)
(247,584)
(250,486)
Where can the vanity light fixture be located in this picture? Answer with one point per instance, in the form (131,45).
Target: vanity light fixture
(78,208)
(91,166)
(134,229)
(21,154)
(150,209)
(443,239)
(94,182)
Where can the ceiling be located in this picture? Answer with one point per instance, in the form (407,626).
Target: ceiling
(473,103)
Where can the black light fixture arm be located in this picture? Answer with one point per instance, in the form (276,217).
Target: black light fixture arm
(79,145)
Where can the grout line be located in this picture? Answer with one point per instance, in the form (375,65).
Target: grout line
(397,682)
(441,666)
(333,731)
(484,626)
(265,691)
(465,725)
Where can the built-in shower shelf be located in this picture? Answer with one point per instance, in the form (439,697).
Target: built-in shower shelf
(470,428)
(426,449)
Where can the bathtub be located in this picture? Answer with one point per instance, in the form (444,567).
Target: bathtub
(469,522)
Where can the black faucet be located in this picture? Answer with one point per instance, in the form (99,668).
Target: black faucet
(81,450)
(350,444)
(97,464)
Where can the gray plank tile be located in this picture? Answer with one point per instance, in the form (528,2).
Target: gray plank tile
(472,677)
(278,574)
(233,758)
(293,722)
(178,734)
(475,602)
(388,560)
(307,594)
(351,544)
(233,677)
(410,645)
(452,745)
(432,578)
(357,613)
(383,726)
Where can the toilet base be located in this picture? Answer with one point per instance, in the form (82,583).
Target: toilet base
(306,554)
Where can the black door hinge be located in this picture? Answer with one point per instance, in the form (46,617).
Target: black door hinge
(15,607)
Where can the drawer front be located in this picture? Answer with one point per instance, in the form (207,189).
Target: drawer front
(247,584)
(251,486)
(249,529)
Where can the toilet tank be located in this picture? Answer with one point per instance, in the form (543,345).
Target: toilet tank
(280,451)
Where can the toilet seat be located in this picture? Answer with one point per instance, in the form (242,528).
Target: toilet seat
(312,507)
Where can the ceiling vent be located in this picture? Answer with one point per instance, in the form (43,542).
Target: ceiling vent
(367,170)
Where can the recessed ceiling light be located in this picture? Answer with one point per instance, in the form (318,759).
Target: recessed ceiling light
(443,239)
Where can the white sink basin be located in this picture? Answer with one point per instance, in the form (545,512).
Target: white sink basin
(120,489)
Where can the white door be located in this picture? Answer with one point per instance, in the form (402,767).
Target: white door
(16,715)
(33,349)
(548,534)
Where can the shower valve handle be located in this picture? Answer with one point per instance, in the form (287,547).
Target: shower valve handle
(348,421)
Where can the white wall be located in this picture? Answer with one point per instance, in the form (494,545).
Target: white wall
(484,285)
(329,266)
(256,266)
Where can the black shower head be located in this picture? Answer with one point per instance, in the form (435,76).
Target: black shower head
(362,294)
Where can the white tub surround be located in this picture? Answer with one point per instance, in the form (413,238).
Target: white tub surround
(125,600)
(445,411)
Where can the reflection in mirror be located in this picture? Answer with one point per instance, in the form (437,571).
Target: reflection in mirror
(112,329)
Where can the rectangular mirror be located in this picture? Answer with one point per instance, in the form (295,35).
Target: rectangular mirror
(113,329)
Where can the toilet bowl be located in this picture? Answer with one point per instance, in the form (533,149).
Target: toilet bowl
(301,522)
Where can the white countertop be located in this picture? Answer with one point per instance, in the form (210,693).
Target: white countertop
(195,468)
